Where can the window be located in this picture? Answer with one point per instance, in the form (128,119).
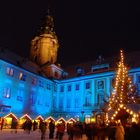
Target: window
(48,86)
(61,88)
(100,84)
(77,87)
(113,82)
(34,81)
(88,101)
(69,87)
(138,79)
(20,95)
(76,102)
(100,99)
(55,87)
(54,103)
(47,104)
(32,99)
(10,71)
(61,103)
(39,102)
(68,103)
(22,76)
(79,71)
(7,93)
(41,84)
(56,74)
(88,85)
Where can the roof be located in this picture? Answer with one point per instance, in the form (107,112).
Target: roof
(24,63)
(129,58)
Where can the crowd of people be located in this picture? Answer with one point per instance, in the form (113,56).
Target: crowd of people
(78,130)
(92,131)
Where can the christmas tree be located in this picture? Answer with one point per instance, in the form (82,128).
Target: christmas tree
(123,91)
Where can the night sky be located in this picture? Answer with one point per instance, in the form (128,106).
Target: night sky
(85,28)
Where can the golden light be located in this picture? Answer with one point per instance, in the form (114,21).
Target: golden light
(124,108)
(121,105)
(127,110)
(11,115)
(131,112)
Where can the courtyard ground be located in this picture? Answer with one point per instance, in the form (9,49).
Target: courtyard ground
(7,134)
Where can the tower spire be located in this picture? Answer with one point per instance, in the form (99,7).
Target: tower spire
(45,45)
(47,25)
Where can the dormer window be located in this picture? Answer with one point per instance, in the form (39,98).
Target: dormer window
(22,76)
(79,71)
(99,67)
(10,71)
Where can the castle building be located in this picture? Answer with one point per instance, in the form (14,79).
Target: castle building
(41,89)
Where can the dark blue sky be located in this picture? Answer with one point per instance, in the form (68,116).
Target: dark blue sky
(85,29)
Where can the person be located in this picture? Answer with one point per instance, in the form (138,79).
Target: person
(51,129)
(61,130)
(2,123)
(34,125)
(119,132)
(42,128)
(27,126)
(14,125)
(134,132)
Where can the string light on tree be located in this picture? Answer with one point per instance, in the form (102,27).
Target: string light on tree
(123,92)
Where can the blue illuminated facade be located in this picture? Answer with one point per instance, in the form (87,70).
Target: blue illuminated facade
(25,92)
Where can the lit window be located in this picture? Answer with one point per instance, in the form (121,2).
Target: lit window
(22,76)
(77,86)
(9,71)
(6,93)
(69,87)
(88,85)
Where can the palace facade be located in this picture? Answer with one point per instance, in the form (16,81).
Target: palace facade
(39,88)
